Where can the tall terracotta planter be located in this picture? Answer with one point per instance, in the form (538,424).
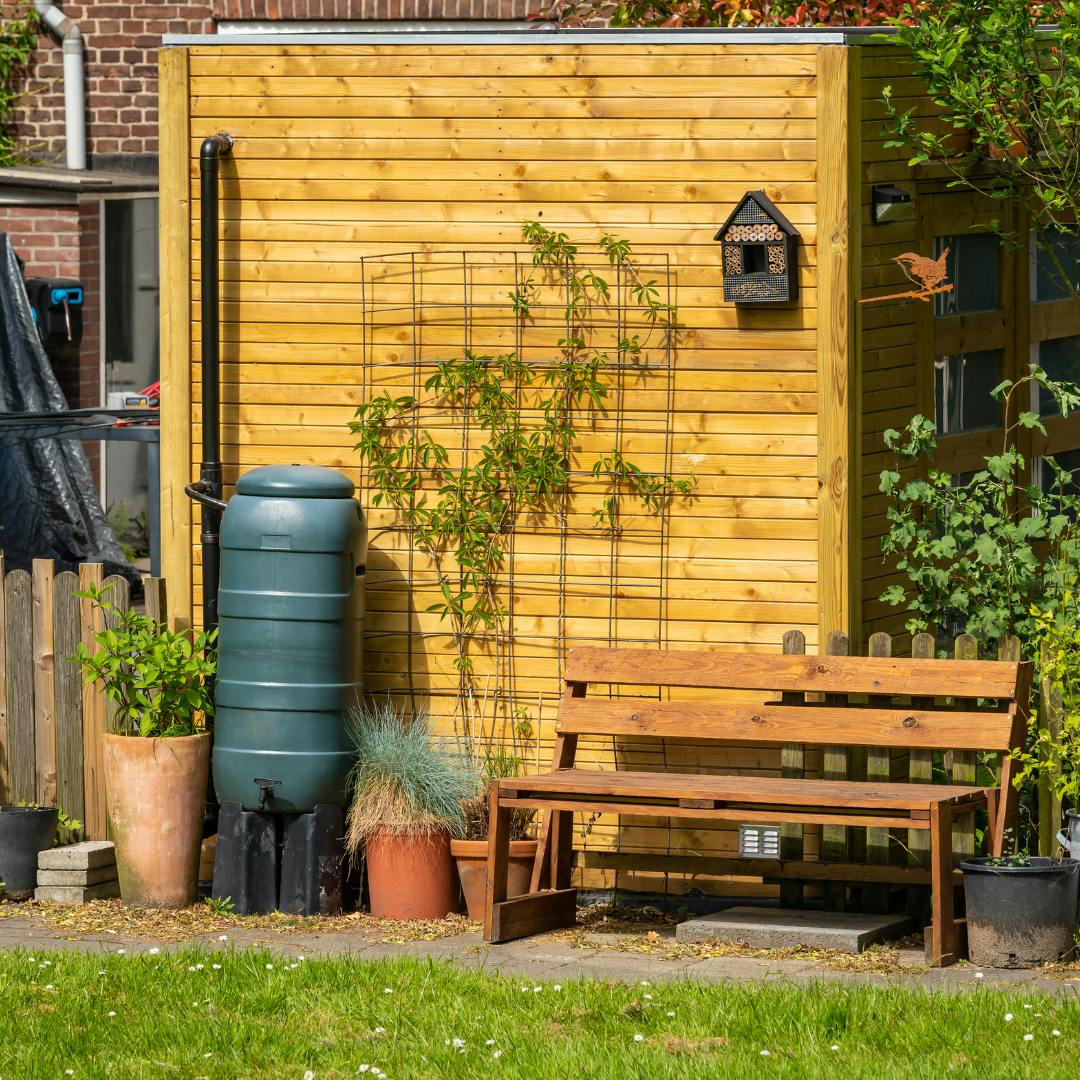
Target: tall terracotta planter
(411,875)
(155,790)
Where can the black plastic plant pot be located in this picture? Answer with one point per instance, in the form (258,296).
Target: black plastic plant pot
(1020,916)
(24,831)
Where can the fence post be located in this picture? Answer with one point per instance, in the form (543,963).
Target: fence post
(18,615)
(44,698)
(834,838)
(961,764)
(792,765)
(878,767)
(67,690)
(93,715)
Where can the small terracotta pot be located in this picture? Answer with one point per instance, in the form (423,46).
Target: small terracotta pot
(471,857)
(411,875)
(155,790)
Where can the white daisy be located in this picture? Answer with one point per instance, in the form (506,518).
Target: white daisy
(639,1037)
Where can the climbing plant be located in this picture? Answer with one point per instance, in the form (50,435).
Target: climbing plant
(18,39)
(462,505)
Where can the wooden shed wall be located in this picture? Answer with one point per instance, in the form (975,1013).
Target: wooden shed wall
(888,395)
(347,151)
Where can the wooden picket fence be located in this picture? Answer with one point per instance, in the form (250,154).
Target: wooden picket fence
(51,749)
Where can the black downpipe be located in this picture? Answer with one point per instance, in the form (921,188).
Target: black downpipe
(207,489)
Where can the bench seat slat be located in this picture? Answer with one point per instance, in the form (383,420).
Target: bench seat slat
(736,789)
(777,724)
(896,676)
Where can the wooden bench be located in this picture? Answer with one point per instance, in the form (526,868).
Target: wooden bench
(1000,726)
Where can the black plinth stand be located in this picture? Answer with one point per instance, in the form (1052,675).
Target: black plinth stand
(280,862)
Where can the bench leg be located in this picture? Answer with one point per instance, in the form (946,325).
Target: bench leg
(498,857)
(536,911)
(562,849)
(943,940)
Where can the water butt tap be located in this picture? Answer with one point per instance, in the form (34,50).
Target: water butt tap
(266,788)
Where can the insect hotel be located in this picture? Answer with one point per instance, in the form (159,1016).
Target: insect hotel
(371,202)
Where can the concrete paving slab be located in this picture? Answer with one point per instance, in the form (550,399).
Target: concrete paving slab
(88,855)
(81,878)
(777,928)
(78,894)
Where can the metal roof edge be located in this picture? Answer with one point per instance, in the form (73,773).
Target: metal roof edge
(846,35)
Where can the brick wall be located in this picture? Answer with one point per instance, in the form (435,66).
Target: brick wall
(64,242)
(121,42)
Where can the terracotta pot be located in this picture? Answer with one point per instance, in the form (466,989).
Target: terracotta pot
(155,790)
(471,857)
(411,875)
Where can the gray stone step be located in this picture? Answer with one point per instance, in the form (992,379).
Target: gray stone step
(88,855)
(77,877)
(77,894)
(778,928)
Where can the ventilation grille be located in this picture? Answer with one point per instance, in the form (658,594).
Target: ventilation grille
(759,841)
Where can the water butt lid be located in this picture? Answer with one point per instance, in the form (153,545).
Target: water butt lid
(296,482)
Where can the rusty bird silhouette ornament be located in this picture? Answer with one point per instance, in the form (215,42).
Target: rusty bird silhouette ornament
(930,275)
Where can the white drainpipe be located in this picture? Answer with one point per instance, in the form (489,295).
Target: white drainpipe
(74,99)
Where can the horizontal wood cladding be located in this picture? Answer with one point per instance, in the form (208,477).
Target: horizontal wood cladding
(345,152)
(888,335)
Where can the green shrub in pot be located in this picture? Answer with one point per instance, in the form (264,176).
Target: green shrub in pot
(157,754)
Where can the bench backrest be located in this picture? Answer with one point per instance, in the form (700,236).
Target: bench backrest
(1003,685)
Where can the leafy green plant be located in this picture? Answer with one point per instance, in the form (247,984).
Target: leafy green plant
(1017,861)
(158,678)
(18,40)
(1052,754)
(676,13)
(495,763)
(221,905)
(981,554)
(405,780)
(1011,92)
(462,508)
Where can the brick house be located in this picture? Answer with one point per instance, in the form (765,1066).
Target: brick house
(99,225)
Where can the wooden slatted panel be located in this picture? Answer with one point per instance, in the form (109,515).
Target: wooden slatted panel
(18,617)
(825,723)
(67,690)
(897,676)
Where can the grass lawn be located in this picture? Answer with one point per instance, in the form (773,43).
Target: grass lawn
(262,1015)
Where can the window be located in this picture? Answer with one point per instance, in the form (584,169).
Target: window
(1057,263)
(1069,460)
(962,385)
(973,266)
(1060,359)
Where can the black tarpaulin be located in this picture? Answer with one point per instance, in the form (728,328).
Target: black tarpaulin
(49,506)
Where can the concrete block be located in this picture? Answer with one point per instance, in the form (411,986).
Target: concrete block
(77,877)
(777,928)
(88,855)
(77,894)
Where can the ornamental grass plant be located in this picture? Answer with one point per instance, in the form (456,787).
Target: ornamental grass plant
(406,780)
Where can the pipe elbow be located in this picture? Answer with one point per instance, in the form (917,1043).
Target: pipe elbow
(64,28)
(216,146)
